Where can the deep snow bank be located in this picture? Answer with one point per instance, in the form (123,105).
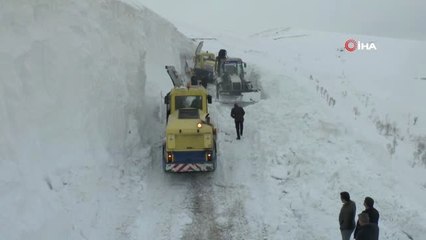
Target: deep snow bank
(72,110)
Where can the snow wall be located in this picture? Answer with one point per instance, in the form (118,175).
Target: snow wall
(73,109)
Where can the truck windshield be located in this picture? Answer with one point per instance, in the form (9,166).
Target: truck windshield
(208,58)
(232,68)
(188,102)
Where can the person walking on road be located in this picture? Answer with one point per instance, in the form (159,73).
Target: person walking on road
(347,216)
(373,215)
(237,113)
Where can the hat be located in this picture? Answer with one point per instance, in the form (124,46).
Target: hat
(345,196)
(369,202)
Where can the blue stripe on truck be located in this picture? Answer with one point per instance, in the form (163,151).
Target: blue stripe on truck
(190,157)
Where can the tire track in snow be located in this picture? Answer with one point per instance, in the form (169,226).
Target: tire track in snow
(239,179)
(204,225)
(219,200)
(162,211)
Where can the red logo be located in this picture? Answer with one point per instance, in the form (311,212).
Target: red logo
(351,45)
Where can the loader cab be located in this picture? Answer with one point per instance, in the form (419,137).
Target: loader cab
(232,81)
(234,66)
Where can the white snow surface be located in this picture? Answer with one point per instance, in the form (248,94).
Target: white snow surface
(81,126)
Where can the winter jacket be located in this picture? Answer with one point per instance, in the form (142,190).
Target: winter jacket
(237,113)
(368,232)
(373,215)
(347,216)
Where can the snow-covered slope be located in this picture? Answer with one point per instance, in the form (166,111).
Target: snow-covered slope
(309,139)
(73,113)
(332,121)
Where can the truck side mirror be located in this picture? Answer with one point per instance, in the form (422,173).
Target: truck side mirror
(167,99)
(245,65)
(209,99)
(208,118)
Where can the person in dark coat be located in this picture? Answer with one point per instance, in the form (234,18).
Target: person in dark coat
(373,215)
(237,113)
(347,216)
(366,230)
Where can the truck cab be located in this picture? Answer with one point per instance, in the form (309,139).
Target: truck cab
(232,78)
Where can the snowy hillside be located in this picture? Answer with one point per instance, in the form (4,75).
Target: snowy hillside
(81,130)
(331,121)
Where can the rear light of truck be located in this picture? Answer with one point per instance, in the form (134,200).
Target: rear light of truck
(169,157)
(209,156)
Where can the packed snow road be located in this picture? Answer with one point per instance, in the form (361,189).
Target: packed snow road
(245,197)
(192,206)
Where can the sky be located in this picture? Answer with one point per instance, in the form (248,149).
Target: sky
(395,18)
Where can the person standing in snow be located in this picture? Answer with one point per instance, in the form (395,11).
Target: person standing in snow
(373,215)
(347,216)
(366,230)
(237,113)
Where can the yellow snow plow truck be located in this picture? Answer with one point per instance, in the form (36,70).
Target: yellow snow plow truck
(190,141)
(204,66)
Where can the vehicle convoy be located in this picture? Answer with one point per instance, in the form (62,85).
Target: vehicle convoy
(190,142)
(227,75)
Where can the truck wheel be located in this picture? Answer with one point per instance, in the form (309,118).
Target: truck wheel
(217,91)
(163,157)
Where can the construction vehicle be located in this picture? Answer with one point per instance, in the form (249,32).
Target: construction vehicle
(190,141)
(204,67)
(231,84)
